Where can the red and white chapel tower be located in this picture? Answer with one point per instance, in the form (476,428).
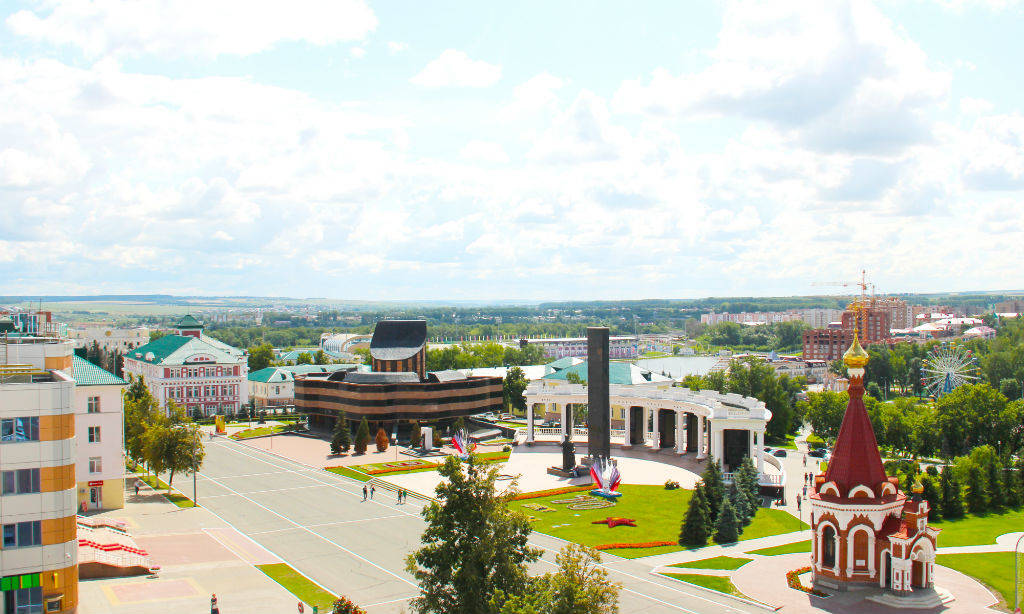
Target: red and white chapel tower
(866,531)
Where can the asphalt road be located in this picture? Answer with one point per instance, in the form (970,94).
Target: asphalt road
(317,522)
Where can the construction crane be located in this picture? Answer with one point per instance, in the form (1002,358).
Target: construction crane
(858,304)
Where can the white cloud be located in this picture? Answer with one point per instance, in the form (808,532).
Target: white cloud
(192,27)
(484,151)
(454,68)
(357,52)
(537,93)
(397,46)
(834,76)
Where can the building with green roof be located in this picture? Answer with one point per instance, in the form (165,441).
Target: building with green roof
(203,374)
(275,386)
(99,430)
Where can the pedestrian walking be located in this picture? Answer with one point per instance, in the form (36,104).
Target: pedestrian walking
(805,459)
(364,492)
(398,495)
(371,491)
(136,487)
(213,604)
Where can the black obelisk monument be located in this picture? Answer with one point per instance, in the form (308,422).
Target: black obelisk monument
(599,442)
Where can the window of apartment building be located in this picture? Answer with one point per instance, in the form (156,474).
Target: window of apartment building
(94,434)
(19,429)
(95,464)
(22,534)
(20,481)
(94,405)
(24,600)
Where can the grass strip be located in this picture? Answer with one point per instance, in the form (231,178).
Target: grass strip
(793,548)
(161,487)
(718,562)
(974,530)
(303,588)
(993,569)
(350,473)
(721,584)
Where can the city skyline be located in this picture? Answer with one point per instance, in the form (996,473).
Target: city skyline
(533,152)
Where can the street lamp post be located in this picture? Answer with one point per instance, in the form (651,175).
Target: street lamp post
(195,445)
(1016,574)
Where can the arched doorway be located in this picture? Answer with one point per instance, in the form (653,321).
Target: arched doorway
(916,573)
(887,570)
(636,425)
(666,428)
(828,547)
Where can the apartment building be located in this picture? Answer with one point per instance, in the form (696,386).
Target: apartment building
(110,338)
(39,551)
(99,426)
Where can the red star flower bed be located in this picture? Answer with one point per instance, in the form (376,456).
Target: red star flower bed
(551,491)
(637,545)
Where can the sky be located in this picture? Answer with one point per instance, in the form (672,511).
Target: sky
(499,151)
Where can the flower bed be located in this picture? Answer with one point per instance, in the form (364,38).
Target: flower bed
(551,491)
(637,545)
(394,467)
(793,579)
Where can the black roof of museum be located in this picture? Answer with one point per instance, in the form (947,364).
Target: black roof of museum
(398,339)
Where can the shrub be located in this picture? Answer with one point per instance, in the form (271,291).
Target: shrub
(671,485)
(616,546)
(343,606)
(506,448)
(793,579)
(381,439)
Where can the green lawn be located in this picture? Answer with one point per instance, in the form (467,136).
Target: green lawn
(350,473)
(787,443)
(261,431)
(813,441)
(804,546)
(718,562)
(161,487)
(994,569)
(722,584)
(657,512)
(977,530)
(299,585)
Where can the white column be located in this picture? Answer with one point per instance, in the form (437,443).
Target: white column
(561,410)
(529,423)
(760,451)
(656,434)
(626,421)
(750,444)
(680,431)
(701,451)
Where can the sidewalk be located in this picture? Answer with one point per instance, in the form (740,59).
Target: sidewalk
(199,555)
(736,550)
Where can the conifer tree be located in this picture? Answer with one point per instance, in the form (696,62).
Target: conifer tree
(976,497)
(727,525)
(952,501)
(746,479)
(1011,487)
(714,488)
(381,439)
(997,496)
(932,496)
(341,438)
(415,435)
(362,436)
(741,505)
(697,525)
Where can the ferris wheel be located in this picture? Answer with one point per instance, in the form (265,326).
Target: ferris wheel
(947,367)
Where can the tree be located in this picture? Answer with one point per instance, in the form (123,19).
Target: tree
(140,412)
(459,425)
(341,438)
(173,444)
(362,436)
(156,334)
(825,412)
(696,527)
(741,506)
(367,359)
(1011,487)
(994,477)
(513,387)
(746,479)
(714,488)
(415,435)
(304,358)
(1009,388)
(321,358)
(575,378)
(381,439)
(931,495)
(977,496)
(260,356)
(952,501)
(727,527)
(473,546)
(580,586)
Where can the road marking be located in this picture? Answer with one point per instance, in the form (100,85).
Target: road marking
(246,475)
(257,492)
(373,605)
(314,533)
(307,468)
(327,524)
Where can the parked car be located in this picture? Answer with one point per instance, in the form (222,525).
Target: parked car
(768,450)
(818,453)
(507,416)
(549,424)
(780,453)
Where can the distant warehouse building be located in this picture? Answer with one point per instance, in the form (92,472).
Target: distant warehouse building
(399,390)
(563,347)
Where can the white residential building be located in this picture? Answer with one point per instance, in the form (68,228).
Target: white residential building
(109,338)
(99,426)
(194,370)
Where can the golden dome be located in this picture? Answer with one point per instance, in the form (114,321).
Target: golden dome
(855,357)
